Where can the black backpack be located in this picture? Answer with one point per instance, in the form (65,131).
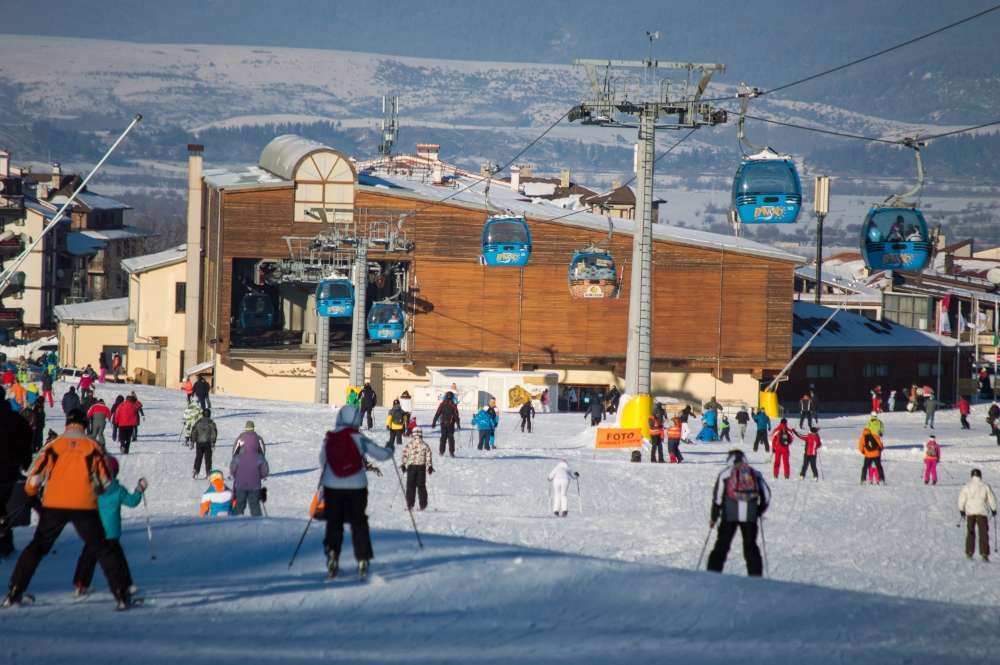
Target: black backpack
(636,456)
(398,417)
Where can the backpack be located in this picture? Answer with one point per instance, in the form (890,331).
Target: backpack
(933,450)
(742,484)
(342,454)
(870,444)
(398,417)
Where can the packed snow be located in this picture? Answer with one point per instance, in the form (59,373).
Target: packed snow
(856,573)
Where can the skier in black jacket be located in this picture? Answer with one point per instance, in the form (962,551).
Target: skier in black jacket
(740,498)
(447,413)
(368,400)
(15,457)
(527,412)
(70,400)
(596,410)
(201,390)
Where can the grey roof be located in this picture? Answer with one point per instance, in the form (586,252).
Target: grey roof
(43,210)
(503,198)
(848,330)
(89,241)
(284,153)
(92,201)
(252,177)
(168,257)
(859,291)
(113,311)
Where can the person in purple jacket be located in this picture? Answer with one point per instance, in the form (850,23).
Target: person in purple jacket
(248,468)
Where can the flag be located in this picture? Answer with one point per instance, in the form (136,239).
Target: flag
(944,325)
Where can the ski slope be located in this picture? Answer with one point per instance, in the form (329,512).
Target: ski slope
(858,574)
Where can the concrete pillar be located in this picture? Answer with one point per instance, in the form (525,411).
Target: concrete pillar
(192,300)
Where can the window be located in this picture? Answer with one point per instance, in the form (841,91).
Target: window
(180,295)
(909,311)
(876,369)
(822,371)
(927,369)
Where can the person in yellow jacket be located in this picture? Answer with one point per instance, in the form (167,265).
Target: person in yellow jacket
(396,421)
(70,472)
(870,445)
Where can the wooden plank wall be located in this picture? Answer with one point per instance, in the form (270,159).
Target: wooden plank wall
(477,316)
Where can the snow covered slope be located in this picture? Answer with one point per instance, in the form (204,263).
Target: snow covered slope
(857,573)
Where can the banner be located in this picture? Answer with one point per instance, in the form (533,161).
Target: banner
(614,437)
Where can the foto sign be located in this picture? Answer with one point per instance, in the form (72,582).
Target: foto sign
(615,437)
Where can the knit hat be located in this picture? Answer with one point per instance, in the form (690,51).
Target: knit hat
(735,456)
(112,465)
(417,432)
(249,426)
(215,475)
(76,417)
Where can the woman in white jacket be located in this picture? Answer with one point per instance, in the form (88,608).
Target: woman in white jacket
(560,478)
(345,488)
(975,503)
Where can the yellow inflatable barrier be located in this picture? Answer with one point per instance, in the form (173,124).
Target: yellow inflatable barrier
(635,413)
(769,403)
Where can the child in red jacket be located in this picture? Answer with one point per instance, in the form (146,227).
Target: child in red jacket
(813,445)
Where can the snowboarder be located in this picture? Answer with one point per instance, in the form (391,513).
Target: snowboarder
(930,408)
(973,501)
(483,421)
(345,488)
(932,455)
(560,477)
(192,412)
(217,500)
(417,465)
(527,412)
(964,408)
(15,457)
(724,429)
(870,445)
(742,419)
(203,435)
(781,441)
(656,434)
(740,498)
(763,424)
(73,471)
(201,390)
(248,468)
(595,411)
(109,507)
(98,415)
(447,413)
(813,444)
(368,401)
(126,417)
(675,434)
(70,401)
(396,421)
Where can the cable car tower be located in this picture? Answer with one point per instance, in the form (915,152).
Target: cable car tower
(619,97)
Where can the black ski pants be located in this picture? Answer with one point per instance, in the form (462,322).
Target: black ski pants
(6,531)
(809,461)
(204,402)
(85,564)
(595,421)
(972,522)
(724,435)
(877,461)
(674,449)
(447,439)
(203,451)
(526,420)
(805,416)
(348,506)
(416,484)
(126,434)
(88,526)
(366,414)
(395,437)
(656,445)
(965,421)
(751,553)
(247,497)
(761,438)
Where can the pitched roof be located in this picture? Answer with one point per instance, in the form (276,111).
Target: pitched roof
(168,257)
(620,196)
(113,311)
(848,330)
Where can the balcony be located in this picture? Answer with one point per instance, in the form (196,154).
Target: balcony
(11,198)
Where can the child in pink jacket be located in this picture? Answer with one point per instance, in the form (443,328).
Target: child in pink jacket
(932,455)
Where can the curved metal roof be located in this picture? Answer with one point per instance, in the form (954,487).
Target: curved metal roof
(284,153)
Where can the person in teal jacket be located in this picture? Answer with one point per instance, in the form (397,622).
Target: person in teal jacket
(109,505)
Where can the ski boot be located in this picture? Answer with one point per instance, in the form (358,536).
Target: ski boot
(13,597)
(556,513)
(564,513)
(123,600)
(332,565)
(79,590)
(363,569)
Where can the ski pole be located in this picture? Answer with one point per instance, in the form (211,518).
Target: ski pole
(704,547)
(996,543)
(579,497)
(763,542)
(413,520)
(297,547)
(149,528)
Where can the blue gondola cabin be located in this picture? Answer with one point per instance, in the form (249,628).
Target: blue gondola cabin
(386,322)
(335,297)
(767,189)
(895,239)
(506,242)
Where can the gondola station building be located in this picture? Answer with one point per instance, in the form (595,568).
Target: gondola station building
(722,310)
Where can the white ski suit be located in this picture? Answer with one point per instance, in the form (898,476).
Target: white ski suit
(560,478)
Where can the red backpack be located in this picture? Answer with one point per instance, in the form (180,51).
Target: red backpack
(742,484)
(342,454)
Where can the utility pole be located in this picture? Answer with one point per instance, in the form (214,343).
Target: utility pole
(648,102)
(359,335)
(821,204)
